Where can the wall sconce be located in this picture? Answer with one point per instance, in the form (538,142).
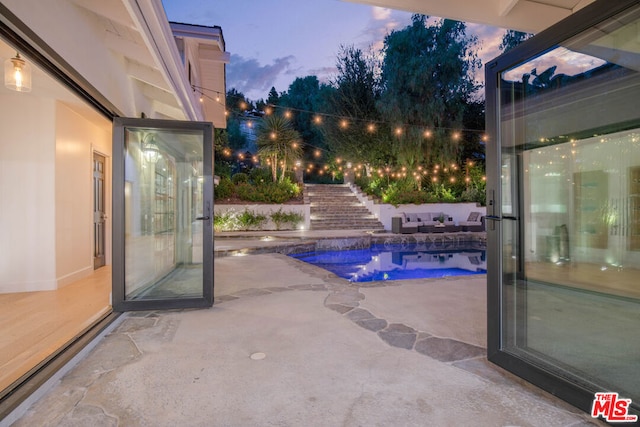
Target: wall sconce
(150,148)
(17,74)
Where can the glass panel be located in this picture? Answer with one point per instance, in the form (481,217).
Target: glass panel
(163,201)
(570,133)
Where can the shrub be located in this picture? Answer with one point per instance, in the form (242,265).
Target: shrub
(272,192)
(442,194)
(222,168)
(290,186)
(291,176)
(260,176)
(247,192)
(474,195)
(240,178)
(279,218)
(224,189)
(249,220)
(225,221)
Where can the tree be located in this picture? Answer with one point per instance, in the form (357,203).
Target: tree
(356,131)
(273,98)
(303,98)
(237,103)
(279,143)
(511,39)
(427,80)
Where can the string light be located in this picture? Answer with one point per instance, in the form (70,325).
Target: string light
(343,122)
(346,122)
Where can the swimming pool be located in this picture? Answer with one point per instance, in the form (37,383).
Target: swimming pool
(397,262)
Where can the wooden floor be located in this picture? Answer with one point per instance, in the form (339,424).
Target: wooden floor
(34,325)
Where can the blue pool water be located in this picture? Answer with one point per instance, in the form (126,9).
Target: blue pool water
(397,262)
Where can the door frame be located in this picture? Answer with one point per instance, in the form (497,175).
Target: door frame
(566,387)
(120,303)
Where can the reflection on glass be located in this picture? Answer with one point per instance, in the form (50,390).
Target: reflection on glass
(163,199)
(571,118)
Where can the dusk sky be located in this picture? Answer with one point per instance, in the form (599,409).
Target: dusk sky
(272,42)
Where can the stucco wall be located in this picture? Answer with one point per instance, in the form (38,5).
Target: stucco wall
(384,212)
(266,210)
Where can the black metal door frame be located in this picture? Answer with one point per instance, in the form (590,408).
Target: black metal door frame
(120,302)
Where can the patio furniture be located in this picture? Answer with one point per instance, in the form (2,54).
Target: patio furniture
(475,222)
(423,222)
(444,228)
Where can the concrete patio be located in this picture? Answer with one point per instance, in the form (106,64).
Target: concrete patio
(289,344)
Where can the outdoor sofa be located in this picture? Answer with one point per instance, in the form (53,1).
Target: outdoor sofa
(424,222)
(475,222)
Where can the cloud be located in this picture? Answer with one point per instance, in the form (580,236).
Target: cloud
(324,74)
(247,75)
(380,13)
(382,22)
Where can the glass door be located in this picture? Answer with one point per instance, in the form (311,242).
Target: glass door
(163,205)
(563,293)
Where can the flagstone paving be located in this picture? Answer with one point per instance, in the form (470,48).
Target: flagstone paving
(326,353)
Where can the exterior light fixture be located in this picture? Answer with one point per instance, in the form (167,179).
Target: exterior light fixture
(150,148)
(17,74)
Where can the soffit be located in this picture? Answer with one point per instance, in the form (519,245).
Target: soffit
(204,48)
(530,16)
(126,41)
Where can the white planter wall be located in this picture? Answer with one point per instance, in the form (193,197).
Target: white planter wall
(384,212)
(304,210)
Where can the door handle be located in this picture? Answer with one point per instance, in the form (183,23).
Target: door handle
(203,218)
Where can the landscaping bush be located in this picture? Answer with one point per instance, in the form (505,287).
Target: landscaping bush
(225,221)
(291,176)
(272,192)
(279,218)
(260,176)
(249,220)
(222,169)
(240,178)
(224,189)
(443,194)
(474,195)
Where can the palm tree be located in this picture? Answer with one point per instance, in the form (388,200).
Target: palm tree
(278,142)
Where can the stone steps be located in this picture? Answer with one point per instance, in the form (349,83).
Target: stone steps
(334,207)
